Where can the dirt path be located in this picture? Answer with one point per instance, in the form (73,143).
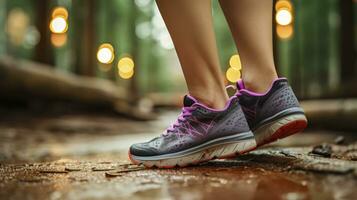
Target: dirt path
(84,157)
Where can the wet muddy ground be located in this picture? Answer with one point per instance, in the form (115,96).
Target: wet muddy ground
(79,156)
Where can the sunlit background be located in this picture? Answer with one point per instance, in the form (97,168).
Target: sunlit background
(126,42)
(82,80)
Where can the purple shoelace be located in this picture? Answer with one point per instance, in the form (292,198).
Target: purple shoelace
(186,112)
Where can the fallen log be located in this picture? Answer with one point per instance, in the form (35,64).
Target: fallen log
(336,114)
(26,79)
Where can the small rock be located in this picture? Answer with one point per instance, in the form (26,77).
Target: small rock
(324,150)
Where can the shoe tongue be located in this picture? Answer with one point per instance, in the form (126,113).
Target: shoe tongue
(188,101)
(240,84)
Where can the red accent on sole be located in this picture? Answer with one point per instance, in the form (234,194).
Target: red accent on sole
(288,129)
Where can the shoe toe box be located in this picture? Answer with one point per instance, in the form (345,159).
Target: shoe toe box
(142,149)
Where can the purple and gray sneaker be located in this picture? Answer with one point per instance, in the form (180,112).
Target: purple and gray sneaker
(273,115)
(199,134)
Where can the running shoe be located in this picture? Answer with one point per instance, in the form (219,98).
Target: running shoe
(199,134)
(273,115)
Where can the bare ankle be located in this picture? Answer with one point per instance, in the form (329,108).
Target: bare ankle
(213,100)
(259,83)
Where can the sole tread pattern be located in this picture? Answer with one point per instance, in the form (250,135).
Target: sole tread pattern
(219,151)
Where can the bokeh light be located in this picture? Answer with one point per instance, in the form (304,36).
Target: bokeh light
(105,53)
(283,17)
(17,25)
(60,12)
(58,25)
(58,40)
(283,4)
(126,75)
(235,62)
(32,37)
(233,74)
(126,65)
(284,32)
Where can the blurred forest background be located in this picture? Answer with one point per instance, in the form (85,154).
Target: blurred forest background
(118,52)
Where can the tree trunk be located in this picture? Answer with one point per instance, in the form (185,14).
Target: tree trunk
(84,26)
(44,51)
(347,55)
(133,87)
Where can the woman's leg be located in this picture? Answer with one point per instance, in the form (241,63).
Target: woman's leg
(191,28)
(251,24)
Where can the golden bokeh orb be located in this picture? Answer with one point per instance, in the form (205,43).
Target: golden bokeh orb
(126,65)
(283,4)
(283,17)
(284,32)
(235,62)
(60,12)
(58,25)
(233,74)
(58,40)
(105,53)
(126,75)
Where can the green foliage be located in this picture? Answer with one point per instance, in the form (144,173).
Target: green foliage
(310,58)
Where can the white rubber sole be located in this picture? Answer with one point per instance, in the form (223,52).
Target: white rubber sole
(218,151)
(280,128)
